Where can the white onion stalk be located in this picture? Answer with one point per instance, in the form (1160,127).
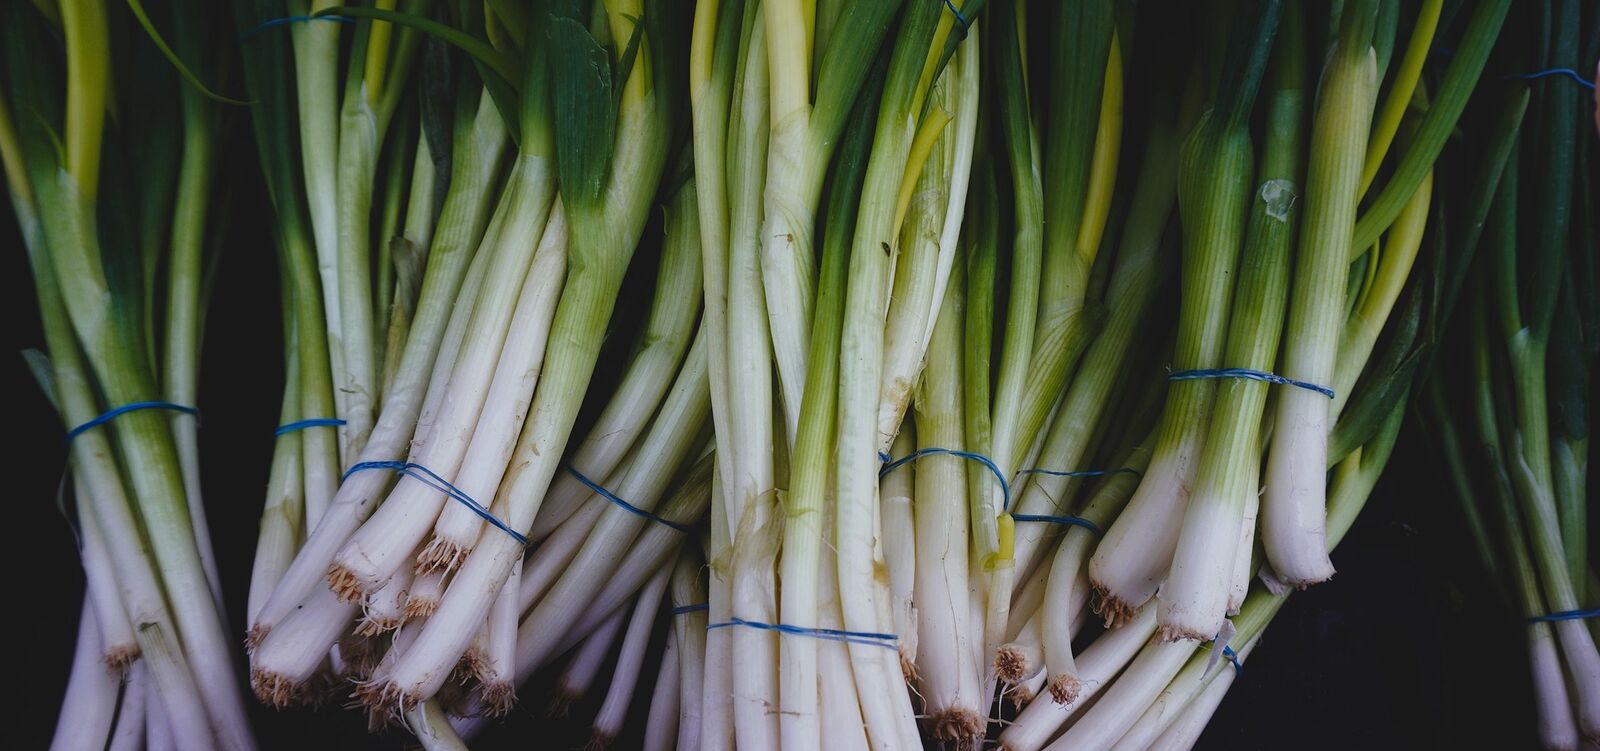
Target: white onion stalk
(838,700)
(283,514)
(808,110)
(497,672)
(676,432)
(654,547)
(749,416)
(606,207)
(819,707)
(1185,687)
(281,668)
(1200,584)
(548,562)
(129,733)
(1294,507)
(385,541)
(91,699)
(661,724)
(581,672)
(663,344)
(99,480)
(429,725)
(1097,666)
(716,728)
(613,712)
(1022,655)
(316,62)
(1244,552)
(1127,697)
(1183,729)
(1215,171)
(899,541)
(932,202)
(506,406)
(879,681)
(118,645)
(379,71)
(408,249)
(479,143)
(949,677)
(385,609)
(158,731)
(76,297)
(1068,586)
(422,597)
(1141,268)
(689,635)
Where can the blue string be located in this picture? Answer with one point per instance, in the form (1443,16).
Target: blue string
(1568,72)
(1005,488)
(256,30)
(831,634)
(961,21)
(433,480)
(1566,615)
(312,422)
(1233,659)
(1071,521)
(113,413)
(630,508)
(687,609)
(1254,375)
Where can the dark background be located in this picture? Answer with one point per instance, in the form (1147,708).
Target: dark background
(1405,648)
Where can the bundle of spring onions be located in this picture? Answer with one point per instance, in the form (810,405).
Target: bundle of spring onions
(878,374)
(1508,397)
(110,144)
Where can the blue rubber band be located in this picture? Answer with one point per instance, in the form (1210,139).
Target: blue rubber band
(433,480)
(831,634)
(1005,487)
(630,508)
(1566,615)
(271,23)
(687,609)
(961,21)
(115,412)
(312,422)
(1568,72)
(1254,375)
(1071,521)
(1233,659)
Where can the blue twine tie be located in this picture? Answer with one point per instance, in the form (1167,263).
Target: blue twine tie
(432,479)
(1005,488)
(961,21)
(1566,615)
(831,634)
(1254,375)
(271,23)
(687,609)
(624,505)
(1071,521)
(1568,72)
(115,412)
(313,422)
